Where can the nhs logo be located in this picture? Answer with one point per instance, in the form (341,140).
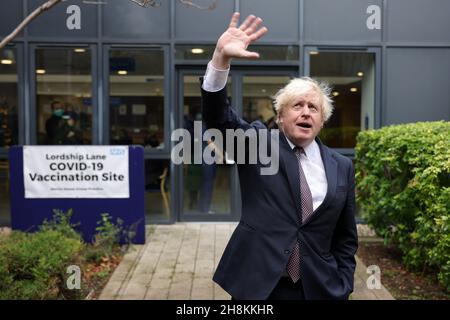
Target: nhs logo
(117,151)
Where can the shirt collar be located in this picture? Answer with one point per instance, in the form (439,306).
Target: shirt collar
(309,149)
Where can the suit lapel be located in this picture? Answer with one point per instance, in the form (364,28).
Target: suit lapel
(289,162)
(330,166)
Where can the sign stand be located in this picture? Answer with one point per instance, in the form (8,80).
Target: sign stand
(27,214)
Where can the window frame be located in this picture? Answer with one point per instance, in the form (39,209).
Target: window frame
(32,120)
(350,152)
(104,112)
(18,47)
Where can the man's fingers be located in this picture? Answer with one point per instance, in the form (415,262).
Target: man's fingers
(258,34)
(234,20)
(254,26)
(247,22)
(250,55)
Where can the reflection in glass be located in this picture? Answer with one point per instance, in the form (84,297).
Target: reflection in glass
(136,98)
(257,98)
(64,96)
(4,193)
(157,188)
(276,53)
(266,53)
(8,98)
(206,187)
(194,52)
(352,76)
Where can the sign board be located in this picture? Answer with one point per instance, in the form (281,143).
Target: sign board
(76,172)
(120,194)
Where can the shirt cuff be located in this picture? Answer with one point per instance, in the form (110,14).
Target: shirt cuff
(215,79)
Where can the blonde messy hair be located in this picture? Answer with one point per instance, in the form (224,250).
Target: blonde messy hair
(299,86)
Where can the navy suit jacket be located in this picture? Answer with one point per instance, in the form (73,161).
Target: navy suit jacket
(258,251)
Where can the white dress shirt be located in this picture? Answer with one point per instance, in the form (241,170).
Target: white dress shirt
(215,79)
(312,165)
(311,162)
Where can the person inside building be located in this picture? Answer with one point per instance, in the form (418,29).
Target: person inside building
(54,125)
(70,133)
(297,235)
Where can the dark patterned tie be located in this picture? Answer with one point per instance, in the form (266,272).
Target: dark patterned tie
(293,266)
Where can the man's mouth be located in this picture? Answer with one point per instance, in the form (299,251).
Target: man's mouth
(304,125)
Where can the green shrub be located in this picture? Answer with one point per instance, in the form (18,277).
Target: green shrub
(34,265)
(403,190)
(61,223)
(106,239)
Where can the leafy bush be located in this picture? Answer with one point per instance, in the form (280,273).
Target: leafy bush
(403,190)
(34,265)
(61,223)
(106,239)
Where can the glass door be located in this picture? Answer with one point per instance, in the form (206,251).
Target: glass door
(206,190)
(211,192)
(257,93)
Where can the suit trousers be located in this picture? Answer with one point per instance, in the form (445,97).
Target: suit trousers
(286,290)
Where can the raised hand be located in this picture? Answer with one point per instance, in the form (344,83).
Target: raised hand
(234,41)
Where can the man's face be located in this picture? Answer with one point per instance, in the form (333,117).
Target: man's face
(301,120)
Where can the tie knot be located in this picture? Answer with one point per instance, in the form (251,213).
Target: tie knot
(299,151)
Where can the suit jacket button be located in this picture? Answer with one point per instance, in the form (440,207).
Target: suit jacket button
(286,251)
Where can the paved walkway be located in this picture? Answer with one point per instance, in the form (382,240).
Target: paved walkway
(178,262)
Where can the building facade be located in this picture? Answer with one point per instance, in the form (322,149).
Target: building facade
(117,73)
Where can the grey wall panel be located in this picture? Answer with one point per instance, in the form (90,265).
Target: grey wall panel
(417,85)
(125,19)
(281,17)
(53,23)
(343,20)
(418,20)
(11,14)
(195,24)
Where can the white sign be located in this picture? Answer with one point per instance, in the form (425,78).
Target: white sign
(76,172)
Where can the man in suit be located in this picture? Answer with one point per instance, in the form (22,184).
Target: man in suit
(297,235)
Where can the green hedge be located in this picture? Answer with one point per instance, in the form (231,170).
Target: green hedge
(34,265)
(403,191)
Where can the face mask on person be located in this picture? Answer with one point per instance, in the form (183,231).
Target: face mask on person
(58,112)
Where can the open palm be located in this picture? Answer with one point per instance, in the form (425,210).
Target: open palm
(234,41)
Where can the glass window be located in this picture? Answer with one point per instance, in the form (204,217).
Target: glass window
(266,53)
(157,189)
(276,53)
(206,187)
(8,98)
(4,193)
(257,98)
(64,96)
(136,98)
(352,76)
(194,52)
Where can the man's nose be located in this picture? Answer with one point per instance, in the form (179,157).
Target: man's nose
(306,112)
